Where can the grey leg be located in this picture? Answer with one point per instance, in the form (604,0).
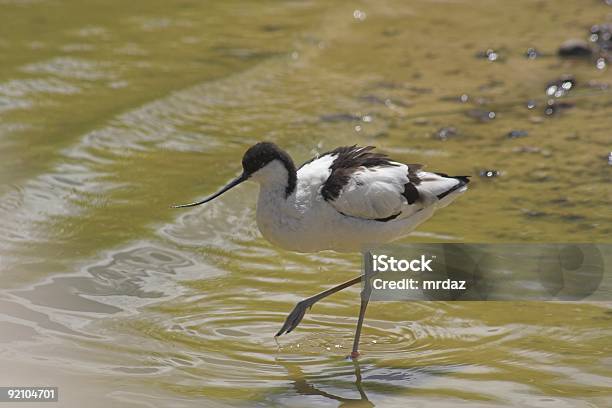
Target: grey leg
(297,314)
(365,298)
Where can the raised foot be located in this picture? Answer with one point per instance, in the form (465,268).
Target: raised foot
(295,317)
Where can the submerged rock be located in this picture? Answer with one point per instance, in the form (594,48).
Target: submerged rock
(599,86)
(513,134)
(554,106)
(463,98)
(572,217)
(575,48)
(481,115)
(601,34)
(270,28)
(445,133)
(598,48)
(340,117)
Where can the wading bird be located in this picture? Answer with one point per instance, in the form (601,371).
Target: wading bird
(341,200)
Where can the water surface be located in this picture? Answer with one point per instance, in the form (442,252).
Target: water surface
(111,111)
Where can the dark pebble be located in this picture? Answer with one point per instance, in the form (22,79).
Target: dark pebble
(481,115)
(554,106)
(513,134)
(340,117)
(575,49)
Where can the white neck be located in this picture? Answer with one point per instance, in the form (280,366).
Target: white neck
(273,178)
(276,212)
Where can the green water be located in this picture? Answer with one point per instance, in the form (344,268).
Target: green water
(111,111)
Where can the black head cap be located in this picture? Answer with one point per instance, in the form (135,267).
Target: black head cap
(262,153)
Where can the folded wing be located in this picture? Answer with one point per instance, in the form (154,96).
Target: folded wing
(369,186)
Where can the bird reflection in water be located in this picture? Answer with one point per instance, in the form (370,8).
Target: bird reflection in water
(303,387)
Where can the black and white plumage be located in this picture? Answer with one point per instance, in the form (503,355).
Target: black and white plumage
(369,185)
(342,200)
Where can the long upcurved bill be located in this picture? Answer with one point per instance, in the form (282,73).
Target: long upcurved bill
(230,185)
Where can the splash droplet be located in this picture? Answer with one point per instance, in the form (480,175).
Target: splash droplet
(601,63)
(359,15)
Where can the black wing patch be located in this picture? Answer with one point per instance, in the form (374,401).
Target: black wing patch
(349,160)
(411,193)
